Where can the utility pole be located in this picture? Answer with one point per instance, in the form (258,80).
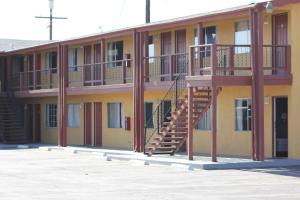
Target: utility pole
(148,11)
(51,6)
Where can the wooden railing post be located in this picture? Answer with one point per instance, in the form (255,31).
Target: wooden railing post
(214,59)
(171,71)
(191,61)
(231,60)
(124,71)
(288,59)
(20,81)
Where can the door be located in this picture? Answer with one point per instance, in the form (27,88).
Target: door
(87,124)
(97,62)
(180,48)
(280,37)
(166,51)
(37,123)
(97,124)
(28,122)
(280,113)
(87,65)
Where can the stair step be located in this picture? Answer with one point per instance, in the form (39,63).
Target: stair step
(161,153)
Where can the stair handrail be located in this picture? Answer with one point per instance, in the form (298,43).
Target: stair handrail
(175,91)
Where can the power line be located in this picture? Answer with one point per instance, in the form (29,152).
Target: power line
(122,8)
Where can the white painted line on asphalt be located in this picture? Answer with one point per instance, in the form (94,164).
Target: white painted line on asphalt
(22,147)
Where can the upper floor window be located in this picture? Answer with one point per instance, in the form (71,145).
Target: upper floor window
(209,35)
(243,114)
(115,53)
(51,61)
(242,36)
(51,115)
(73,59)
(151,49)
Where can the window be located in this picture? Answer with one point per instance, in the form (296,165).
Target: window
(115,115)
(151,50)
(51,61)
(205,123)
(74,115)
(51,115)
(242,36)
(73,59)
(243,114)
(148,115)
(115,53)
(209,37)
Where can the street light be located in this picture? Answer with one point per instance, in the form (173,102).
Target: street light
(51,4)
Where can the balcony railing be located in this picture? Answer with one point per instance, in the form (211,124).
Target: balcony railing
(39,79)
(107,73)
(165,67)
(236,60)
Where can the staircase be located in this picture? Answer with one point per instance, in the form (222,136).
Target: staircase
(171,132)
(12,131)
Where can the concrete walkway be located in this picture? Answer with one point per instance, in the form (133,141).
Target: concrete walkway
(199,162)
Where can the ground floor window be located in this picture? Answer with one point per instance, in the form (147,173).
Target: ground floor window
(115,115)
(205,123)
(74,115)
(243,114)
(148,115)
(51,115)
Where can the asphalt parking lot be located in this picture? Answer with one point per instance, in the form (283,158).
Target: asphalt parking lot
(35,174)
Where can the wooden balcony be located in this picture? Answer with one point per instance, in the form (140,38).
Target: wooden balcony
(231,65)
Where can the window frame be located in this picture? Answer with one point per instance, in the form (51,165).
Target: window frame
(244,50)
(51,115)
(121,117)
(146,121)
(248,119)
(114,59)
(151,49)
(75,122)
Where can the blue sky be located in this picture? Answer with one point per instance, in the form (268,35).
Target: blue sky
(91,16)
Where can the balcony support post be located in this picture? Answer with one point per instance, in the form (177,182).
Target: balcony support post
(62,96)
(138,91)
(190,123)
(34,57)
(102,76)
(214,124)
(256,19)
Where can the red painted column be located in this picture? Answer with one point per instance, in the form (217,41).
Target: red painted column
(102,61)
(256,19)
(136,92)
(214,124)
(200,42)
(62,97)
(190,123)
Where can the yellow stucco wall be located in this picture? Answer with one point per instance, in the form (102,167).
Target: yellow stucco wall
(230,142)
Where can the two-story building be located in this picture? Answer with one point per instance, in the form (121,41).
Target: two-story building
(225,82)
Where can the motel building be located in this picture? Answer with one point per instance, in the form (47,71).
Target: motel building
(220,83)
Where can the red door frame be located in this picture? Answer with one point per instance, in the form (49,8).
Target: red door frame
(166,51)
(180,48)
(37,123)
(87,61)
(279,37)
(98,124)
(87,123)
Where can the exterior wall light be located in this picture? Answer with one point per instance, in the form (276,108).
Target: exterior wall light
(269,7)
